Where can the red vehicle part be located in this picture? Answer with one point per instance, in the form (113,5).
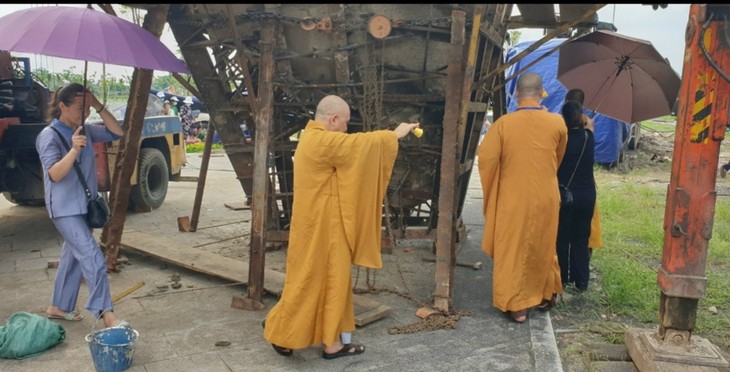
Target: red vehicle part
(690,208)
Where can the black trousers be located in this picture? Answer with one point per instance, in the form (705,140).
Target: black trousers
(574,229)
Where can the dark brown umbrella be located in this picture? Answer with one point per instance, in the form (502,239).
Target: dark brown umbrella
(622,77)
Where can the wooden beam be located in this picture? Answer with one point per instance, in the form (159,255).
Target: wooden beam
(126,160)
(264,124)
(445,232)
(366,310)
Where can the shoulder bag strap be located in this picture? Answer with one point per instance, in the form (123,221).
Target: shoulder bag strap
(76,164)
(585,140)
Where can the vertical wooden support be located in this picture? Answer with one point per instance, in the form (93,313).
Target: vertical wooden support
(342,60)
(111,235)
(202,176)
(445,232)
(471,62)
(259,213)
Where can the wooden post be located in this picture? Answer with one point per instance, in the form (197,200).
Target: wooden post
(264,118)
(202,177)
(111,236)
(445,232)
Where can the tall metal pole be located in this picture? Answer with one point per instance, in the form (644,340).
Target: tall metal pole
(690,208)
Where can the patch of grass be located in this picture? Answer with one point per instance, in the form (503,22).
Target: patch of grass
(663,126)
(632,219)
(199,146)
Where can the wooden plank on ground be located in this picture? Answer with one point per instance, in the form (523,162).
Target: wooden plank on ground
(199,260)
(366,310)
(237,206)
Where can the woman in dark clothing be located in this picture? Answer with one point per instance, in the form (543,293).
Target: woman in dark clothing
(576,171)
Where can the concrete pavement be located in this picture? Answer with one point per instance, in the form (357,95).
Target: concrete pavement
(179,328)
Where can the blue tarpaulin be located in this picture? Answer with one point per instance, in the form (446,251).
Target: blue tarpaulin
(609,133)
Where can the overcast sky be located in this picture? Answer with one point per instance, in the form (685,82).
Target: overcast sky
(664,28)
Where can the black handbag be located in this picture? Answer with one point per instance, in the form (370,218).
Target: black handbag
(566,196)
(97,211)
(97,208)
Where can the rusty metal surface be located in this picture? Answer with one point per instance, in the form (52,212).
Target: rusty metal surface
(328,49)
(691,196)
(397,72)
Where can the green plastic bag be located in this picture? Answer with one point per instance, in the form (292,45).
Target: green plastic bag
(25,335)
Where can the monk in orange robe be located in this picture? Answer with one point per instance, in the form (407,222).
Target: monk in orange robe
(518,164)
(340,180)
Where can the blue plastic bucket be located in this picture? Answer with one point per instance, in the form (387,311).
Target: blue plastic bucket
(112,348)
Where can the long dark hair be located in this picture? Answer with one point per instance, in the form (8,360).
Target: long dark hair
(65,94)
(573,114)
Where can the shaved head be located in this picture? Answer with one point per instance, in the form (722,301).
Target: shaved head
(529,85)
(330,105)
(333,112)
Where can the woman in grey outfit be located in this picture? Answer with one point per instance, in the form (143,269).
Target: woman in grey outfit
(66,200)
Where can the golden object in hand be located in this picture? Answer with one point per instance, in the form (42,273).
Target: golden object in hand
(418,132)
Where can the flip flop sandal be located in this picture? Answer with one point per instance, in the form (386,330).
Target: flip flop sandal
(72,316)
(347,350)
(283,351)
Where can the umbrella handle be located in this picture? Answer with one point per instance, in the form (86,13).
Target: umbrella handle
(83,99)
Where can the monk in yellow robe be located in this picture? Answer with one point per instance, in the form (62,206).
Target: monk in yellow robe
(518,163)
(340,180)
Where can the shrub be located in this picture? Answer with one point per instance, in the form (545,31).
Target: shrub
(199,146)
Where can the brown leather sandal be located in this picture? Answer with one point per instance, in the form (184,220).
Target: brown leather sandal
(546,305)
(283,351)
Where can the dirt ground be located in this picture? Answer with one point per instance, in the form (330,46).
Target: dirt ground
(582,320)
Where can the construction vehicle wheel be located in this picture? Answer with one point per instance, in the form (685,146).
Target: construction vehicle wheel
(153,175)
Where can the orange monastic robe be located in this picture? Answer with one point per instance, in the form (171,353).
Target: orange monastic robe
(340,180)
(518,166)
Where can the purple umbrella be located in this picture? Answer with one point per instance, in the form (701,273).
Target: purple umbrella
(85,34)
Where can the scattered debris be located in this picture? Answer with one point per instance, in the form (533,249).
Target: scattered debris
(127,291)
(175,278)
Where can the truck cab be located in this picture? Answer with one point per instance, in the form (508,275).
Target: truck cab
(23,103)
(161,157)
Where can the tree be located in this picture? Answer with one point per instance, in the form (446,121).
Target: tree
(514,37)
